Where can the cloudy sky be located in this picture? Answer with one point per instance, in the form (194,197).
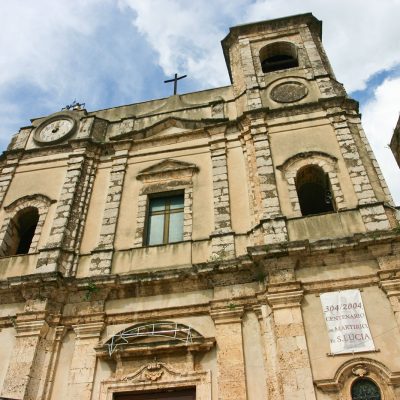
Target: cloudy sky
(111,52)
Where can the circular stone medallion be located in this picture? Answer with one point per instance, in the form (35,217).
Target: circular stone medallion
(289,92)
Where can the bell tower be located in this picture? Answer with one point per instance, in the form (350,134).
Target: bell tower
(263,53)
(307,154)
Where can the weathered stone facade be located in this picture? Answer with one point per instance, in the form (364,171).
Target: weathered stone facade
(230,310)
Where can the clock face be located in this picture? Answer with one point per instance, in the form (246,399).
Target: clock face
(54,130)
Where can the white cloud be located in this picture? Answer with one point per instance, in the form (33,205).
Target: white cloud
(36,40)
(186,36)
(360,36)
(379,118)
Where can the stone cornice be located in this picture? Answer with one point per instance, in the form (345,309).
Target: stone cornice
(304,247)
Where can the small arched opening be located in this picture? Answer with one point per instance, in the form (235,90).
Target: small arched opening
(365,389)
(20,232)
(313,190)
(277,56)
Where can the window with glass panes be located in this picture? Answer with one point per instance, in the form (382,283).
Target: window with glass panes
(165,219)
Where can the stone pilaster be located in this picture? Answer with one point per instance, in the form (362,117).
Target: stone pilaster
(230,358)
(7,173)
(392,290)
(59,253)
(371,156)
(267,207)
(372,212)
(294,363)
(223,240)
(58,335)
(83,365)
(102,256)
(23,378)
(267,327)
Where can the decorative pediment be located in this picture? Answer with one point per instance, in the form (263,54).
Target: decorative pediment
(167,169)
(161,125)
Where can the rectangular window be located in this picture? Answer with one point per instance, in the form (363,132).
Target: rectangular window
(165,219)
(185,394)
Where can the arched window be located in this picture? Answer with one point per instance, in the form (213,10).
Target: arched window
(20,231)
(313,190)
(365,389)
(277,56)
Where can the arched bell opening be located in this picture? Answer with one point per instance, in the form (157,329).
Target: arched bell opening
(313,190)
(278,56)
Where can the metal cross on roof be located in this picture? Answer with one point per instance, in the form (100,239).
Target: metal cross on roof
(175,80)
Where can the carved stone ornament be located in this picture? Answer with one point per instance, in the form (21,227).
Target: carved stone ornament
(289,92)
(359,370)
(151,372)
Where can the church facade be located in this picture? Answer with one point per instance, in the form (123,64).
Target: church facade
(238,243)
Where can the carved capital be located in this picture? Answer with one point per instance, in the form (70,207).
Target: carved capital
(31,328)
(228,315)
(285,299)
(88,331)
(60,332)
(216,132)
(391,287)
